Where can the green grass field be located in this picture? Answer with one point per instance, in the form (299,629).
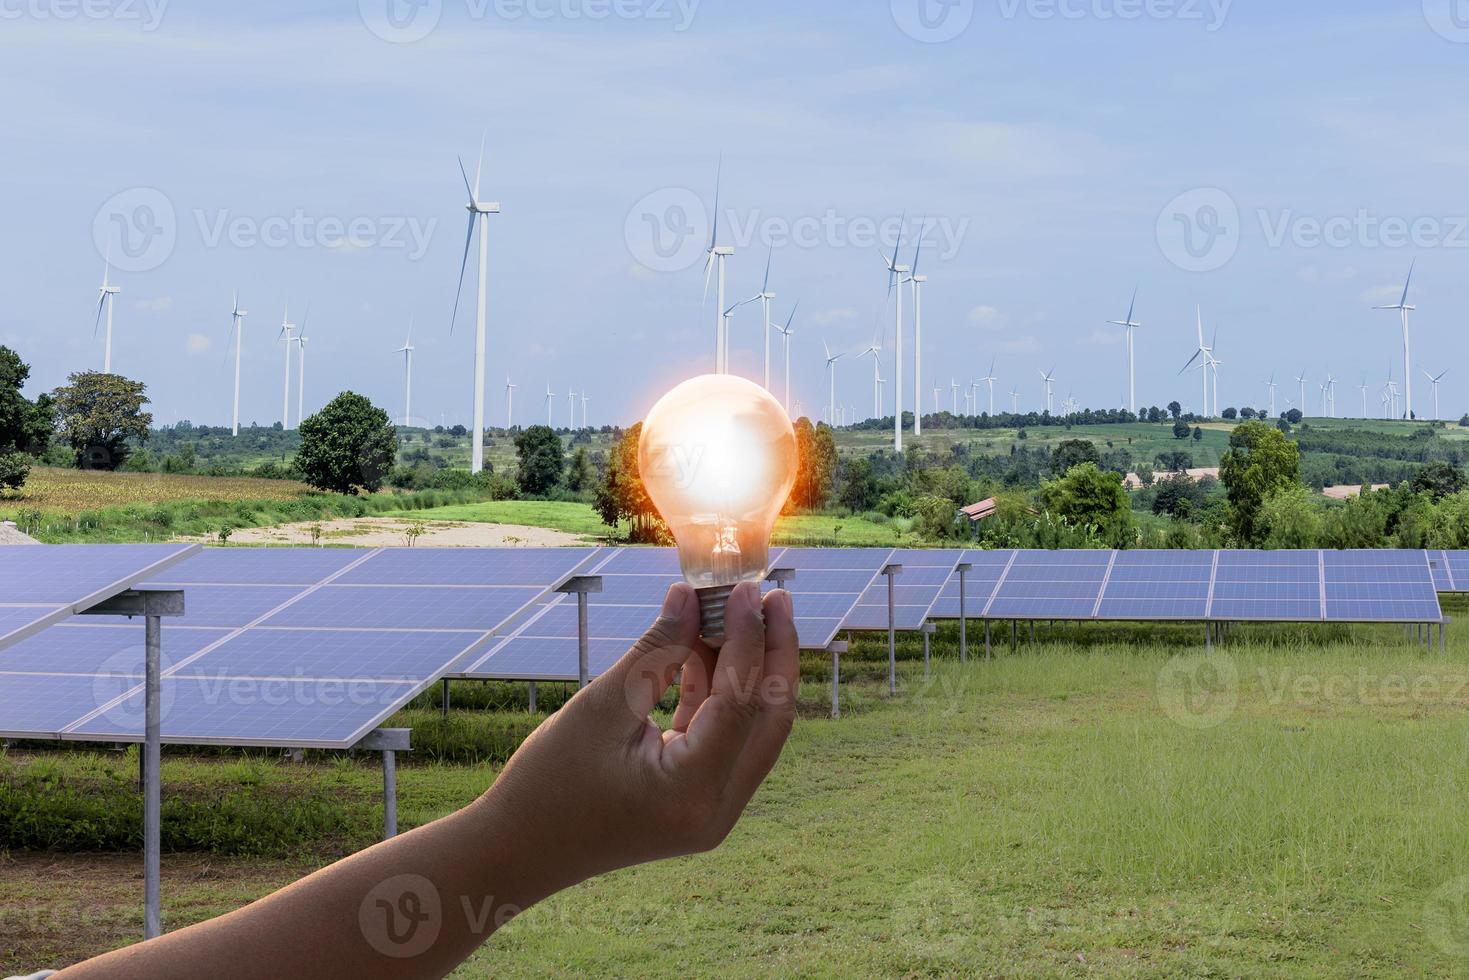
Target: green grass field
(1104,801)
(568,516)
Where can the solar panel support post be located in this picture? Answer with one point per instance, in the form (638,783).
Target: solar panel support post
(446,697)
(581,586)
(837,648)
(987,652)
(388,741)
(152,606)
(961,568)
(532,697)
(928,631)
(780,576)
(892,572)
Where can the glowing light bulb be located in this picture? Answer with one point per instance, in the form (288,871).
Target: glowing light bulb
(717,456)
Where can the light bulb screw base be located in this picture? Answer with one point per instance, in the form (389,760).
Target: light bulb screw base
(711,614)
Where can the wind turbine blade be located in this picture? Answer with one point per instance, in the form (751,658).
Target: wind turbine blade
(479,165)
(463,264)
(893,265)
(1132,306)
(1191,361)
(98,322)
(1411,266)
(714,223)
(708,271)
(791,319)
(467,188)
(765,286)
(918,249)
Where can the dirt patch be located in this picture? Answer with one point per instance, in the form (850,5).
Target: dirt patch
(380,532)
(59,909)
(1348,492)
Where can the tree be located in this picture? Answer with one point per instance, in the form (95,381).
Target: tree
(816,460)
(1175,462)
(25,428)
(579,474)
(98,413)
(1145,474)
(1247,413)
(1231,414)
(1073,452)
(541,456)
(1294,416)
(1260,462)
(1175,409)
(1439,480)
(1087,495)
(858,489)
(622,497)
(347,446)
(1179,496)
(1289,519)
(1181,429)
(1198,434)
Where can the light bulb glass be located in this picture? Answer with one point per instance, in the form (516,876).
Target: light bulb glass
(718,459)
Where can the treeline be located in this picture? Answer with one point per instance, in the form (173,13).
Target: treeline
(1423,445)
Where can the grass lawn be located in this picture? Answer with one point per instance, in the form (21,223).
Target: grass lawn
(1104,801)
(62,491)
(578,518)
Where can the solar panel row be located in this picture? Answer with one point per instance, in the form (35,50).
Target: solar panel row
(297,647)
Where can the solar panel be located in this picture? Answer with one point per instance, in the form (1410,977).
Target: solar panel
(827,587)
(1456,570)
(979,584)
(44,584)
(1268,586)
(1050,585)
(1379,586)
(915,591)
(298,658)
(1157,585)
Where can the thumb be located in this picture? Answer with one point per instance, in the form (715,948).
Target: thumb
(639,679)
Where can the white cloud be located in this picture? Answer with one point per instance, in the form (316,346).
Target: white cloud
(198,343)
(987,317)
(159,305)
(827,318)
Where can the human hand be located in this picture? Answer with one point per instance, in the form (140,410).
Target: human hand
(599,786)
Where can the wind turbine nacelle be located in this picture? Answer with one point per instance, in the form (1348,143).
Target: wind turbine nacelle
(483,207)
(724,250)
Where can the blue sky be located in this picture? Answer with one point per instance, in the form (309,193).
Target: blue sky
(1060,148)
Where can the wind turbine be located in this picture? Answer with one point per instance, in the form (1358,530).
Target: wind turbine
(1214,364)
(549,395)
(479,214)
(1434,381)
(237,328)
(1364,396)
(764,296)
(717,256)
(1015,401)
(990,380)
(896,273)
(1049,377)
(1130,325)
(1402,307)
(785,346)
(584,399)
(286,334)
(1301,380)
(106,293)
(954,396)
(875,349)
(1271,385)
(509,404)
(937,390)
(570,409)
(831,370)
(407,351)
(918,281)
(1204,352)
(301,368)
(1330,395)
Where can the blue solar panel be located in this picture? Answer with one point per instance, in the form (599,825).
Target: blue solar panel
(546,567)
(259,566)
(301,713)
(979,584)
(1458,570)
(41,705)
(86,648)
(1050,585)
(376,655)
(397,607)
(44,584)
(222,605)
(915,591)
